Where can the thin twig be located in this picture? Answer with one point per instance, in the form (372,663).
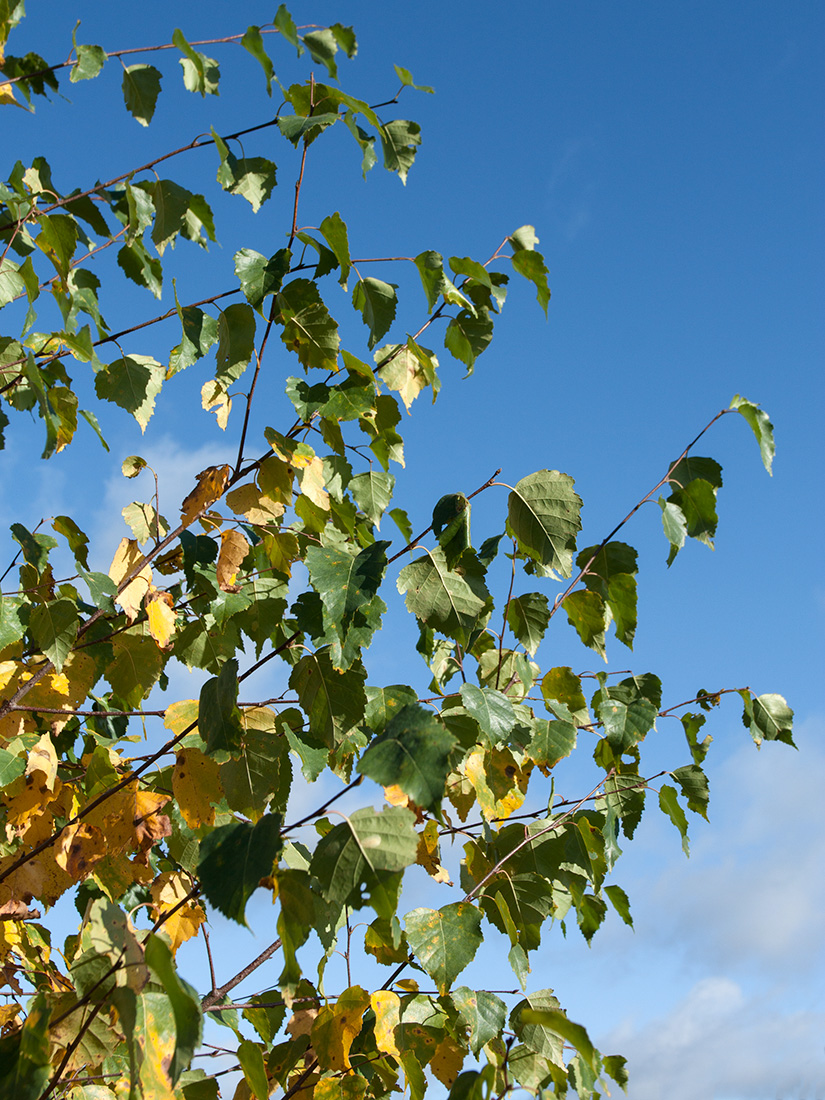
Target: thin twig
(218,994)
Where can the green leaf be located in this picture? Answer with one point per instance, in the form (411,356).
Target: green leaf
(140,267)
(53,627)
(25,1065)
(90,60)
(528,617)
(690,467)
(133,383)
(333,701)
(376,301)
(412,753)
(252,177)
(251,1057)
(135,668)
(531,265)
(450,601)
(451,526)
(669,805)
(200,73)
(444,940)
(234,859)
(218,715)
(360,847)
(384,703)
(760,426)
(77,540)
(399,141)
(260,772)
(405,76)
(768,717)
(308,328)
(563,686)
(185,1002)
(236,341)
(141,88)
(543,518)
(468,335)
(334,231)
(697,501)
(694,784)
(586,612)
(628,709)
(675,525)
(58,239)
(285,24)
(259,277)
(253,41)
(620,902)
(11,767)
(611,574)
(372,492)
(555,1021)
(200,332)
(525,237)
(493,711)
(532,1031)
(551,742)
(12,627)
(483,1012)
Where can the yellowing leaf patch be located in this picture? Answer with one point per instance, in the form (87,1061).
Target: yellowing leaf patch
(196,786)
(161,614)
(127,556)
(168,891)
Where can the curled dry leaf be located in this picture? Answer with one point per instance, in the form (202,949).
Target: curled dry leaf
(211,484)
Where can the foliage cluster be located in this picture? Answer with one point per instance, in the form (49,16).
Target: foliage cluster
(277,556)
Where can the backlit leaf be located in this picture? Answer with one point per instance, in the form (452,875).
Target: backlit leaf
(234,859)
(412,753)
(543,517)
(444,940)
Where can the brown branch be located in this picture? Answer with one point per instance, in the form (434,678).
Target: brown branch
(559,600)
(211,999)
(317,813)
(490,481)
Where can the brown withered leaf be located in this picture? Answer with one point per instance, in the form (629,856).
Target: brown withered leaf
(234,549)
(211,484)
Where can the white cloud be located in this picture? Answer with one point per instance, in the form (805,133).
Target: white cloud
(718,1044)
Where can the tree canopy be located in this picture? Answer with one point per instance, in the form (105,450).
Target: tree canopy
(160,821)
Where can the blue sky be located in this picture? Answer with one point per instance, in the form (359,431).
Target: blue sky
(671,159)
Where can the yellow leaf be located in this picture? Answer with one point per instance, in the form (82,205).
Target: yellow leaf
(312,484)
(214,396)
(161,614)
(7,95)
(275,479)
(409,985)
(428,854)
(180,715)
(211,483)
(196,786)
(234,549)
(9,1014)
(126,558)
(499,781)
(387,1008)
(460,792)
(336,1026)
(78,849)
(43,759)
(251,503)
(447,1061)
(168,891)
(350,1087)
(282,550)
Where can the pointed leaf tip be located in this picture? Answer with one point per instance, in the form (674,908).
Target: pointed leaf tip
(761,427)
